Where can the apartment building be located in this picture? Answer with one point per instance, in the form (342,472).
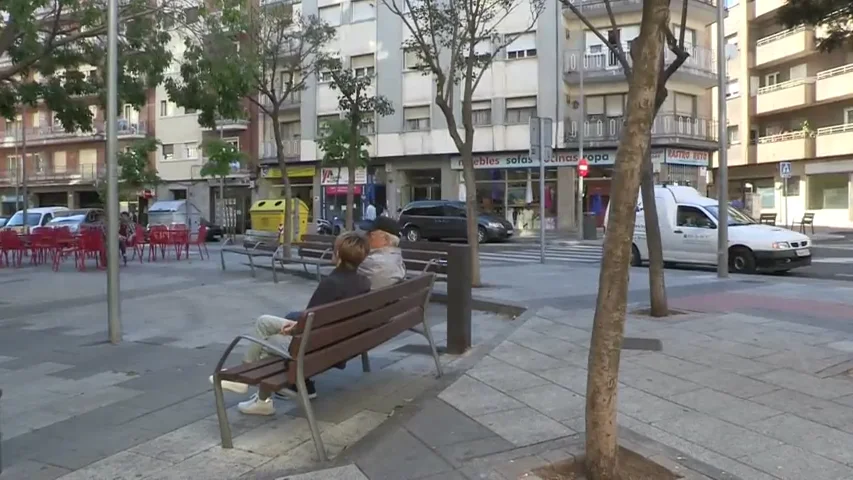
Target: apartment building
(413,156)
(180,158)
(63,167)
(787,102)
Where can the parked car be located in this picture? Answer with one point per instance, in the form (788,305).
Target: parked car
(76,220)
(3,221)
(214,231)
(36,217)
(445,220)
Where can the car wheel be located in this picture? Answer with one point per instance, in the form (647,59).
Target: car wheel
(412,234)
(636,260)
(481,234)
(741,260)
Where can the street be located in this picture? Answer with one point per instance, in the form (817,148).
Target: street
(831,259)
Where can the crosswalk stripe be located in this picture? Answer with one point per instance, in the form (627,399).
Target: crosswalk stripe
(575,253)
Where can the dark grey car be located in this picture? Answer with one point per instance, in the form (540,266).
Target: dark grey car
(445,220)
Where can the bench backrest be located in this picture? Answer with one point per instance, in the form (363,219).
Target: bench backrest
(344,329)
(418,261)
(316,238)
(767,218)
(808,218)
(315,250)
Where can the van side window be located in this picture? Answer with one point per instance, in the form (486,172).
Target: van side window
(46,218)
(692,217)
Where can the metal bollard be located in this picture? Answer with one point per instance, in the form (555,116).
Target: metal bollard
(458,299)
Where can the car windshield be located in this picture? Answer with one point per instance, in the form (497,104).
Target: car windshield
(736,217)
(70,219)
(17,219)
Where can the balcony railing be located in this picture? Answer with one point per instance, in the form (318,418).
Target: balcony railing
(610,130)
(58,132)
(594,5)
(786,44)
(701,60)
(291,149)
(779,35)
(834,140)
(834,83)
(786,146)
(787,95)
(41,174)
(295,98)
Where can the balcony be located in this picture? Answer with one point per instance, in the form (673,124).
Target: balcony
(700,9)
(739,155)
(785,45)
(785,96)
(699,69)
(834,141)
(666,130)
(785,147)
(834,84)
(57,175)
(291,147)
(289,103)
(765,7)
(56,134)
(229,125)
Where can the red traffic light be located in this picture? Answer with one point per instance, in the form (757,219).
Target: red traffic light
(583,167)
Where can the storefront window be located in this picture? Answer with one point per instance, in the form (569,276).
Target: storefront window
(827,191)
(514,194)
(766,190)
(424,184)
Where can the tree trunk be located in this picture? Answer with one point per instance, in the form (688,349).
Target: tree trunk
(351,165)
(471,213)
(221,207)
(657,283)
(287,239)
(609,322)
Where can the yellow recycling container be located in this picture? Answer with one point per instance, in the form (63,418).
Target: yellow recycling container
(268,216)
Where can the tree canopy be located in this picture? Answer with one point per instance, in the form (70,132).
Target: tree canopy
(835,15)
(135,172)
(221,157)
(54,51)
(336,144)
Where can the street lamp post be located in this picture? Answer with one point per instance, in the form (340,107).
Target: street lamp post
(722,156)
(113,305)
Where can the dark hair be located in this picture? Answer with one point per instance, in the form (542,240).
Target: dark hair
(351,249)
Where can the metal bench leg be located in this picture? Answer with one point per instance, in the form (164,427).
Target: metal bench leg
(252,265)
(428,334)
(365,363)
(222,258)
(221,415)
(274,274)
(319,277)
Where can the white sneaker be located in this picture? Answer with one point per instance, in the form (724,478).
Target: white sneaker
(256,406)
(232,386)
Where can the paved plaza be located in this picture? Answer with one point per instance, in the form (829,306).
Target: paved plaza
(753,381)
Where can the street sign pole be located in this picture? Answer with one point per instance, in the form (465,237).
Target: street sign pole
(785,173)
(722,155)
(545,152)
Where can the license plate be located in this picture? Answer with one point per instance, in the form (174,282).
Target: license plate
(803,252)
(509,230)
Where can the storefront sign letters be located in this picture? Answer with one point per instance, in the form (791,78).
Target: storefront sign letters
(523,160)
(681,156)
(340,176)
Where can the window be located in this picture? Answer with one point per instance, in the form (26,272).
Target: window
(731,47)
(412,60)
(128,111)
(685,105)
(190,150)
(482,49)
(791,187)
(692,217)
(362,10)
(178,194)
(331,14)
(733,134)
(325,76)
(827,191)
(165,108)
(482,113)
(733,89)
(190,111)
(522,47)
(368,125)
(322,124)
(416,118)
(595,106)
(766,191)
(363,65)
(614,106)
(848,116)
(771,79)
(453,211)
(233,141)
(519,110)
(689,35)
(168,150)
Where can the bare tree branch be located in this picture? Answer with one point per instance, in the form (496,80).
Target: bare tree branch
(616,50)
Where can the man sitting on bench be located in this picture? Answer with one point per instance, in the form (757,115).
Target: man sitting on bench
(384,264)
(344,282)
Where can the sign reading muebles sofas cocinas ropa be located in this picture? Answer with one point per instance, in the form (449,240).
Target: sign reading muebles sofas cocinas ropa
(570,159)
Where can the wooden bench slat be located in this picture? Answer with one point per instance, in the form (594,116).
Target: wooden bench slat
(321,360)
(343,309)
(344,329)
(255,376)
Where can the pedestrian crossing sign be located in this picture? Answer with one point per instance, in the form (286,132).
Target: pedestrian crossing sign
(785,169)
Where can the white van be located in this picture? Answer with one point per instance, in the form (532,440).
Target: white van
(36,217)
(688,228)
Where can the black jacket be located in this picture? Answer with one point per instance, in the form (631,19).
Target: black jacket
(340,284)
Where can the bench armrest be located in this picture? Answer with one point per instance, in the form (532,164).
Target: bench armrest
(268,346)
(323,255)
(228,241)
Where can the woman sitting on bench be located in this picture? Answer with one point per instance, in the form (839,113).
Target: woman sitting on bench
(344,282)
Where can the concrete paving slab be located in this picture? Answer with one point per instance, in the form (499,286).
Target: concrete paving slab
(524,426)
(826,388)
(792,463)
(474,398)
(349,472)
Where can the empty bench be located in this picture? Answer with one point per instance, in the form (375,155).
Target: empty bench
(257,244)
(325,337)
